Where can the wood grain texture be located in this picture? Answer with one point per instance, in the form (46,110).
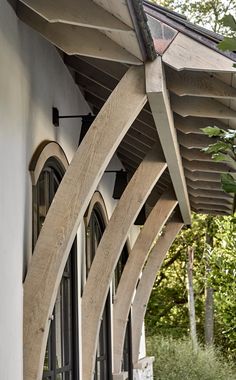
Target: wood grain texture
(193,125)
(109,250)
(208,167)
(67,210)
(160,105)
(76,12)
(147,280)
(193,83)
(202,176)
(201,107)
(192,141)
(74,39)
(198,184)
(130,275)
(201,192)
(186,54)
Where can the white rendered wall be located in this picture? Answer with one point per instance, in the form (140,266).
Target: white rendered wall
(33,78)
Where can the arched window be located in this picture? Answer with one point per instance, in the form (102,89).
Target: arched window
(61,358)
(95,229)
(127,365)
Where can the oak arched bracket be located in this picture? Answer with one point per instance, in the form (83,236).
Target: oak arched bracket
(132,270)
(67,211)
(147,280)
(109,250)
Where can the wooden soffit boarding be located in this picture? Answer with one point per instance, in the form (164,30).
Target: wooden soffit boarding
(93,28)
(101,40)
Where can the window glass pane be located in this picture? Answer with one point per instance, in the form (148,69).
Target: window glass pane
(58,329)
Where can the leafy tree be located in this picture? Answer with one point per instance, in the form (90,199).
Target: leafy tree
(206,13)
(167,311)
(224,149)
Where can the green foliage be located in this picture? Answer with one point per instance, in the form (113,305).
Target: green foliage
(167,311)
(228,183)
(229,43)
(224,150)
(206,13)
(176,360)
(212,131)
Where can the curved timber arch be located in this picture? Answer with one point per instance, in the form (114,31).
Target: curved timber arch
(109,250)
(67,210)
(152,227)
(147,280)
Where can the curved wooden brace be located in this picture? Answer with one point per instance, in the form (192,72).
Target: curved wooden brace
(109,250)
(147,280)
(67,210)
(138,255)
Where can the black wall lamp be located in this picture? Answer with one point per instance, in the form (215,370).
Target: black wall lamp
(86,121)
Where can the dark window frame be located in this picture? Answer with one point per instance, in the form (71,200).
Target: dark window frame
(50,177)
(127,362)
(94,230)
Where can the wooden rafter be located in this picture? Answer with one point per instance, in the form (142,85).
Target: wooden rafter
(191,141)
(130,275)
(212,207)
(67,210)
(193,125)
(195,154)
(76,39)
(147,280)
(208,167)
(109,249)
(186,54)
(76,12)
(201,107)
(198,184)
(208,200)
(202,176)
(163,116)
(212,193)
(194,83)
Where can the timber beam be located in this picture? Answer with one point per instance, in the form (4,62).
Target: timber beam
(193,125)
(161,109)
(200,192)
(203,176)
(199,57)
(194,83)
(74,39)
(201,107)
(67,211)
(130,275)
(208,167)
(109,250)
(84,13)
(147,280)
(206,185)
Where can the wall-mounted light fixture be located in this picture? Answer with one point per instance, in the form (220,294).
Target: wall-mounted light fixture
(86,121)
